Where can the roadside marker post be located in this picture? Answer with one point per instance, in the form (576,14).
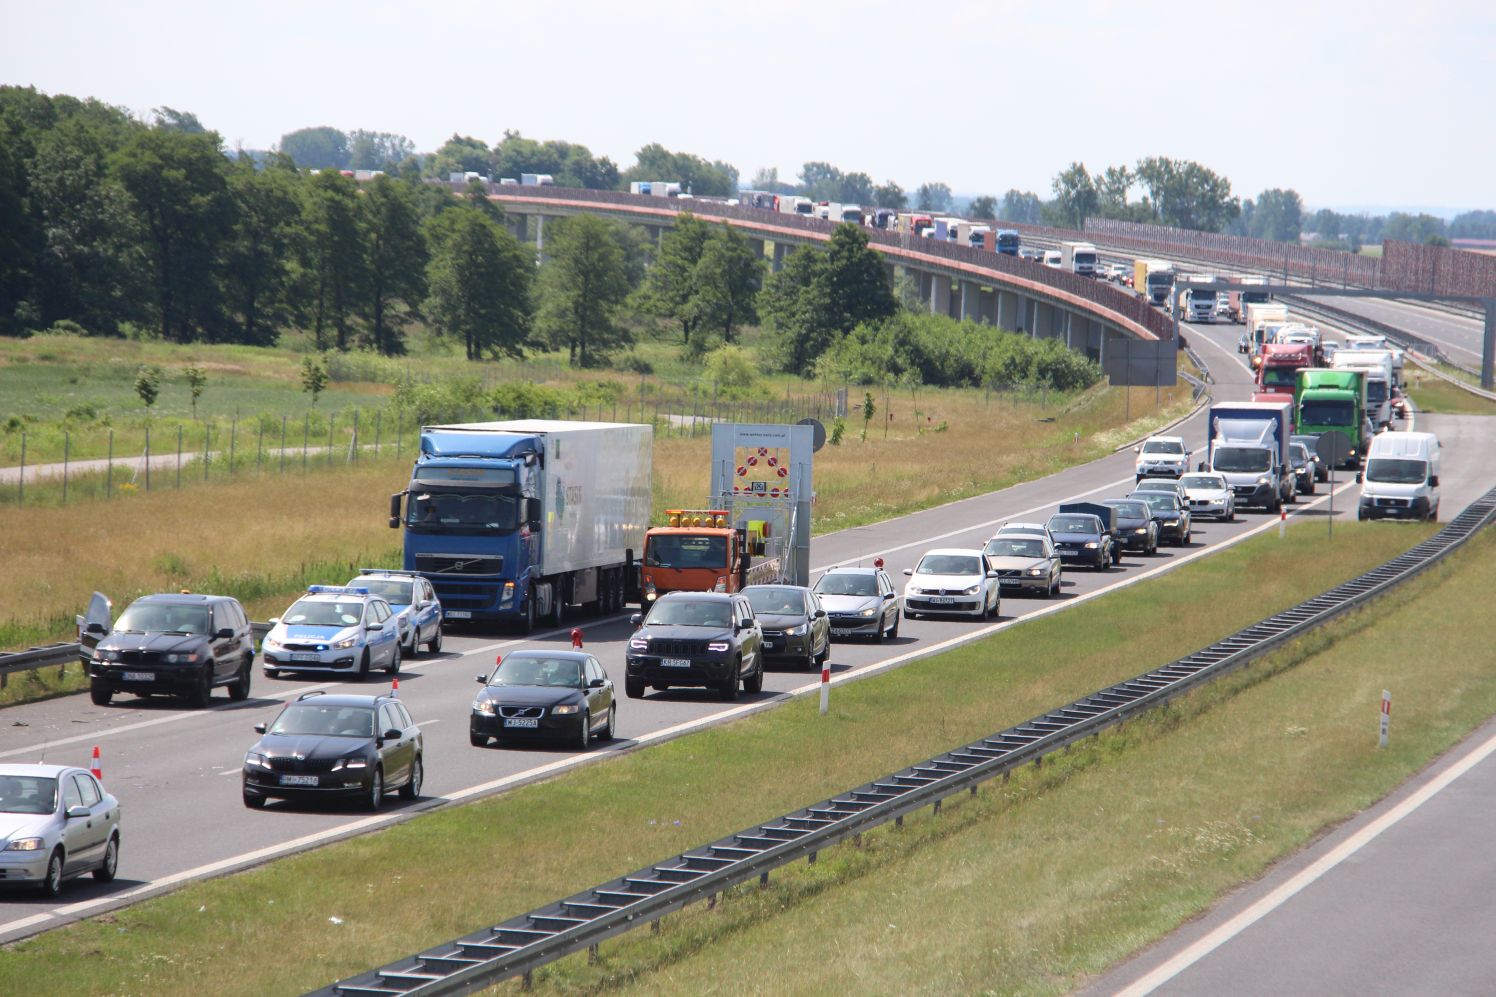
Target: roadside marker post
(825,686)
(1282,522)
(1386,715)
(96,767)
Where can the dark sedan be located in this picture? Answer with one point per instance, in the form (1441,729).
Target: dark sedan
(324,746)
(1136,526)
(1304,464)
(1321,467)
(795,626)
(544,694)
(1172,516)
(1081,538)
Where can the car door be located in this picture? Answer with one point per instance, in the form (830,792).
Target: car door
(80,839)
(750,636)
(222,648)
(396,752)
(885,589)
(820,626)
(386,638)
(599,698)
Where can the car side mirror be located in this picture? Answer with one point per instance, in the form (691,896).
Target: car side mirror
(821,612)
(637,620)
(991,574)
(597,683)
(482,679)
(73,813)
(1358,477)
(888,595)
(374,626)
(1433,481)
(223,633)
(97,629)
(274,620)
(260,728)
(393,734)
(1137,449)
(909,571)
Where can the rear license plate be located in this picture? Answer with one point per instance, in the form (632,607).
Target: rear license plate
(298,780)
(675,662)
(458,614)
(304,656)
(841,632)
(139,676)
(942,600)
(522,722)
(769,645)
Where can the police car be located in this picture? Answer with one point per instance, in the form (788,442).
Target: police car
(414,602)
(334,628)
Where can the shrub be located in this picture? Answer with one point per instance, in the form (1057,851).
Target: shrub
(734,369)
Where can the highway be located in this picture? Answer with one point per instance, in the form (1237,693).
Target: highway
(177,770)
(1457,335)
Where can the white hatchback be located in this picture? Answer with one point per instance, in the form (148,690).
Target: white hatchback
(952,580)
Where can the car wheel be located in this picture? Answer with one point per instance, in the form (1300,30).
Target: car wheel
(611,731)
(1054,586)
(477,740)
(394,666)
(51,885)
(413,648)
(728,689)
(434,645)
(239,690)
(271,673)
(893,631)
(584,738)
(105,872)
(254,802)
(811,659)
(821,658)
(633,688)
(755,682)
(202,692)
(100,694)
(412,788)
(363,667)
(910,615)
(375,796)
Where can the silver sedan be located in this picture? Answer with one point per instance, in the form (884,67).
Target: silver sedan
(56,823)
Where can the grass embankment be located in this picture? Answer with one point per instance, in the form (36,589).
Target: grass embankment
(1434,394)
(453,871)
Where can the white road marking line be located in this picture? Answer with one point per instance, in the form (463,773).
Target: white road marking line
(665,733)
(1330,860)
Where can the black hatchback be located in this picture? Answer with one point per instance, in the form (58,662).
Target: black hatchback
(177,644)
(336,747)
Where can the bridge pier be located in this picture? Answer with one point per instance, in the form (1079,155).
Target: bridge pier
(940,295)
(781,250)
(971,295)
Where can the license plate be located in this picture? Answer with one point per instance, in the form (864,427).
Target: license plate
(298,780)
(675,662)
(841,632)
(769,645)
(458,614)
(522,722)
(942,600)
(139,676)
(304,656)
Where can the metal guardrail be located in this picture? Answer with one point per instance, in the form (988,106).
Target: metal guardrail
(53,655)
(522,944)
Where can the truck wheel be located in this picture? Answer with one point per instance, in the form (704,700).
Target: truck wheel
(633,688)
(558,608)
(527,619)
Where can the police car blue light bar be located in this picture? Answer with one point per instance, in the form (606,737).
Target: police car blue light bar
(337,590)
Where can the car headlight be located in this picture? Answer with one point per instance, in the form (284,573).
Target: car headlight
(349,763)
(566,709)
(638,643)
(483,706)
(1141,530)
(972,591)
(105,655)
(508,595)
(1036,572)
(1092,545)
(799,631)
(718,646)
(343,645)
(256,759)
(270,644)
(1171,522)
(1264,480)
(26,845)
(181,659)
(872,611)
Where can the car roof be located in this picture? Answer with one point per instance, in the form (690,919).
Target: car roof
(973,551)
(181,598)
(855,570)
(1020,534)
(695,596)
(1114,502)
(1166,439)
(341,699)
(42,769)
(340,596)
(776,585)
(540,652)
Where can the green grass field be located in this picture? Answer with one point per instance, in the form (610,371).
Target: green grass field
(1434,394)
(1012,930)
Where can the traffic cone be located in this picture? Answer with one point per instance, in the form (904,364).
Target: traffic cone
(96,767)
(395,687)
(576,637)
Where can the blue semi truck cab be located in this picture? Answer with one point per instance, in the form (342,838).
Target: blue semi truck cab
(515,521)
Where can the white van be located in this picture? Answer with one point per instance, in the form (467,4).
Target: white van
(1401,479)
(1053,258)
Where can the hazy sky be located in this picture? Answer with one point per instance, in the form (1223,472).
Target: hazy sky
(1364,103)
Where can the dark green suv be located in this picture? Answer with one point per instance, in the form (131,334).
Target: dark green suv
(180,644)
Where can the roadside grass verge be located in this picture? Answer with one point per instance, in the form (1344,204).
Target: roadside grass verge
(1434,394)
(262,535)
(451,872)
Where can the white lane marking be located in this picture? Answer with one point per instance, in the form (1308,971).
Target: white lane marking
(1325,863)
(665,733)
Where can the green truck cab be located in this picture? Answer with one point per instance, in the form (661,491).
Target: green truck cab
(1334,400)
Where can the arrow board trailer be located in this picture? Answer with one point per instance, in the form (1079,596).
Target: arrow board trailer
(517,520)
(762,475)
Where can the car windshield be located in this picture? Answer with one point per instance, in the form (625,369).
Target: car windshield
(691,613)
(393,591)
(1396,471)
(324,613)
(1159,501)
(776,601)
(524,669)
(949,564)
(27,794)
(1015,547)
(1155,485)
(685,550)
(847,583)
(325,720)
(1074,524)
(1298,453)
(456,512)
(1163,446)
(156,617)
(1241,460)
(1131,510)
(1326,412)
(1204,482)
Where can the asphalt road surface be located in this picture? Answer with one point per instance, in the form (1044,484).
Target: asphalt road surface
(177,771)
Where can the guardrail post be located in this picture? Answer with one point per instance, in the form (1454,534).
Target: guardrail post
(592,954)
(654,926)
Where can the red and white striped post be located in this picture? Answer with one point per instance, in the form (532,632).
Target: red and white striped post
(1386,715)
(96,767)
(825,686)
(1282,522)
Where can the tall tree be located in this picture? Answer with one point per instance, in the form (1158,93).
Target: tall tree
(570,164)
(1277,214)
(581,285)
(1473,225)
(983,207)
(377,150)
(336,264)
(1185,194)
(890,195)
(1075,197)
(258,278)
(463,154)
(725,283)
(480,280)
(856,188)
(323,148)
(1021,206)
(933,197)
(801,333)
(670,281)
(818,296)
(694,174)
(854,285)
(396,253)
(1413,228)
(172,120)
(179,193)
(820,181)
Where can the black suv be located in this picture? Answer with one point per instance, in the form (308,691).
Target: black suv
(707,639)
(339,747)
(180,644)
